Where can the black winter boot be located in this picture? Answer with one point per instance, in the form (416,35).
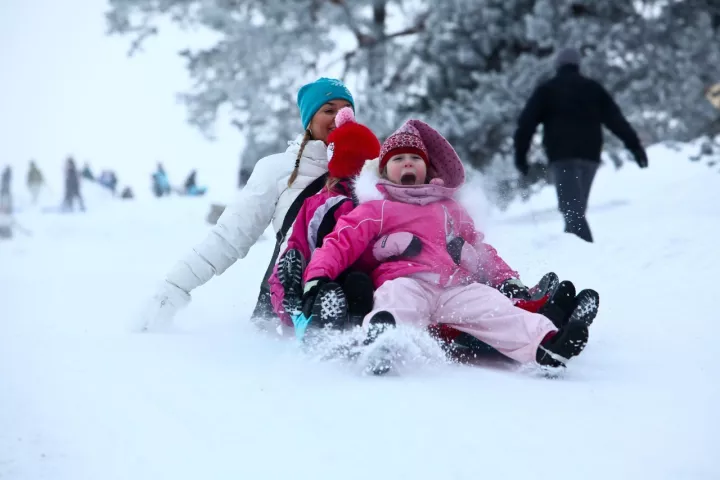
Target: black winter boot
(560,305)
(546,286)
(568,342)
(330,307)
(379,324)
(290,273)
(380,361)
(359,290)
(587,303)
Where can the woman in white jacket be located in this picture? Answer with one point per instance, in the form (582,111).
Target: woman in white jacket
(276,181)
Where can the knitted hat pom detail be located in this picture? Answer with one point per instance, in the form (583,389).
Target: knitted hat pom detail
(345,115)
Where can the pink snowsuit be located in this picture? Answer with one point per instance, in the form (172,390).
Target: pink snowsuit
(432,259)
(316,218)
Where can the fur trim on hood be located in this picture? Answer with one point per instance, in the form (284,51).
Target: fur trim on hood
(365,184)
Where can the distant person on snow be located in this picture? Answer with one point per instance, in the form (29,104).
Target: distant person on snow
(5,191)
(35,181)
(421,278)
(108,179)
(72,187)
(190,188)
(127,194)
(87,173)
(191,181)
(113,181)
(572,109)
(160,182)
(273,195)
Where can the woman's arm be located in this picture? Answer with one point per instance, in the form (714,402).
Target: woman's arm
(237,229)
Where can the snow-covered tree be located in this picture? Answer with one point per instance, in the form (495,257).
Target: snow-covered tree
(266,49)
(466,66)
(480,62)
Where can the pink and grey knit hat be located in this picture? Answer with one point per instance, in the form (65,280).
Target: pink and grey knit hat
(442,160)
(406,139)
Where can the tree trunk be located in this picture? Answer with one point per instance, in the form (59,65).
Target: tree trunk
(377,54)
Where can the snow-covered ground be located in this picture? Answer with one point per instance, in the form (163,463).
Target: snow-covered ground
(81,397)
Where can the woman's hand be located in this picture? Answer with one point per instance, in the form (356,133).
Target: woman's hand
(159,311)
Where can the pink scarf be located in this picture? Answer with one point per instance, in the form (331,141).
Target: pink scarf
(416,194)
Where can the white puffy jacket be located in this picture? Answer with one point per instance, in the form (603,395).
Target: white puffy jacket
(265,198)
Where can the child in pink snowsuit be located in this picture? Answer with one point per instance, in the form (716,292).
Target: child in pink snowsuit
(350,144)
(434,266)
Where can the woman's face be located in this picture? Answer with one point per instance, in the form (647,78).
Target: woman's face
(406,169)
(323,122)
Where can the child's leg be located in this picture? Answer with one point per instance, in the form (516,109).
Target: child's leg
(359,291)
(407,300)
(488,315)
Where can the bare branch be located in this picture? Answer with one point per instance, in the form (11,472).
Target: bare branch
(136,44)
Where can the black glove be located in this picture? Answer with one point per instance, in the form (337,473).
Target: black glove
(310,292)
(514,288)
(641,157)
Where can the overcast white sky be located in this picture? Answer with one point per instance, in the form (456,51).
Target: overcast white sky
(66,88)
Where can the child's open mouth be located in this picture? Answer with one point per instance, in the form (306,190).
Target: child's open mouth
(408,179)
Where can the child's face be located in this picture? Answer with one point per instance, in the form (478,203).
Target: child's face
(406,169)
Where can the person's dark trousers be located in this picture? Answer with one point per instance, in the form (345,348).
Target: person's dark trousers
(573,180)
(5,202)
(68,203)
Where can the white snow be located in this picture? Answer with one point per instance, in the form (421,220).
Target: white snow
(81,397)
(74,91)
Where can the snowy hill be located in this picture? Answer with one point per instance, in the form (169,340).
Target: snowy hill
(82,398)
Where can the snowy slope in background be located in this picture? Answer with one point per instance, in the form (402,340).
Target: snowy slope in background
(74,91)
(81,398)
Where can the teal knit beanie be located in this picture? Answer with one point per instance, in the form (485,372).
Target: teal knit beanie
(314,95)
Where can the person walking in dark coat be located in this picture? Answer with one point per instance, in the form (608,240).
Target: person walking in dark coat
(5,191)
(72,186)
(572,109)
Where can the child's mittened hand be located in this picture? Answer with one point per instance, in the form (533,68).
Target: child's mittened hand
(312,287)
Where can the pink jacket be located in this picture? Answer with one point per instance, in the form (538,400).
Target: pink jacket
(317,217)
(418,231)
(391,229)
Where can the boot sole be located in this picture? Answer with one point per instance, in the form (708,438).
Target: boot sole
(290,272)
(586,308)
(330,307)
(545,287)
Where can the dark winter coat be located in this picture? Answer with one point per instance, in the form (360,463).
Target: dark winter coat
(572,109)
(5,182)
(72,181)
